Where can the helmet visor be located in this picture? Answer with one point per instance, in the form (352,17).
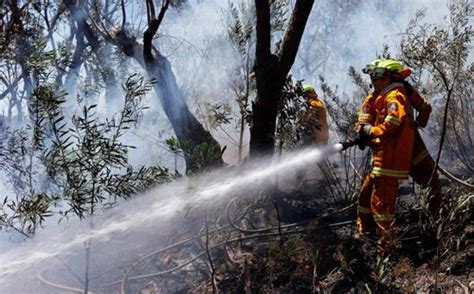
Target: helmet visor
(377,73)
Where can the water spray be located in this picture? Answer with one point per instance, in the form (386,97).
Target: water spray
(142,212)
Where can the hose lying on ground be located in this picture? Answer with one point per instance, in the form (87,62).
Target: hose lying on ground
(60,286)
(454,178)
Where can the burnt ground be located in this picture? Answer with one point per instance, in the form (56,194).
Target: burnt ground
(298,241)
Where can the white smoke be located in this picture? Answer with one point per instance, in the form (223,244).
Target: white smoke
(196,43)
(120,235)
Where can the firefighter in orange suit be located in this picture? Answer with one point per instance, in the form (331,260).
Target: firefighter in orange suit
(320,134)
(314,121)
(422,164)
(386,119)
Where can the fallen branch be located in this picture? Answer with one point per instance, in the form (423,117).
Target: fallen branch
(237,239)
(174,245)
(209,258)
(59,286)
(254,231)
(130,269)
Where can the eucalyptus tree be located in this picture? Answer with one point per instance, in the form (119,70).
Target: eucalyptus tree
(271,71)
(24,28)
(101,26)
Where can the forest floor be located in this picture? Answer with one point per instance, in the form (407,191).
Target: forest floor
(298,241)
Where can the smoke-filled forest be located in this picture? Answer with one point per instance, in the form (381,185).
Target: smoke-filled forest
(236,146)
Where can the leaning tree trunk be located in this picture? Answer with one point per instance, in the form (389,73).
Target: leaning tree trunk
(189,131)
(199,147)
(271,72)
(201,151)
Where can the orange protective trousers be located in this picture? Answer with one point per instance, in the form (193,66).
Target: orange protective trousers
(376,210)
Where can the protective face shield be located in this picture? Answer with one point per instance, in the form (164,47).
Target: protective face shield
(377,73)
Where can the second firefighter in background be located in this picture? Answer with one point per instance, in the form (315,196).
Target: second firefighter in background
(315,131)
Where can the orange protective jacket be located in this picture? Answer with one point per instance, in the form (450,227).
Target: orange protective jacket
(320,136)
(391,115)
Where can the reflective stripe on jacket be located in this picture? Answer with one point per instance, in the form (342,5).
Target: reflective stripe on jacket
(366,115)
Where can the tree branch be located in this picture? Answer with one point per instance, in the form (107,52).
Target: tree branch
(153,26)
(124,15)
(164,7)
(293,34)
(263,29)
(150,10)
(10,87)
(82,25)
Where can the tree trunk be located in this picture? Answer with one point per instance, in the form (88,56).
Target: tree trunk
(187,128)
(271,72)
(75,65)
(264,109)
(191,134)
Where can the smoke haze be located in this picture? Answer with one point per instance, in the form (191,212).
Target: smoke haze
(195,41)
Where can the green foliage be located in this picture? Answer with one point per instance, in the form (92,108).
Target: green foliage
(218,114)
(202,156)
(241,26)
(296,122)
(278,14)
(287,251)
(448,229)
(382,268)
(84,159)
(173,144)
(41,59)
(28,207)
(29,213)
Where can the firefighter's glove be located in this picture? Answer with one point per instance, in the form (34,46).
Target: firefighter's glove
(360,143)
(422,119)
(364,136)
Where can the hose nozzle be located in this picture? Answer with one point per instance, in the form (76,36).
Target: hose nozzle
(348,144)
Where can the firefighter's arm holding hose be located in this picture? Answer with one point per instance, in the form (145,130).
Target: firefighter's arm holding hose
(365,125)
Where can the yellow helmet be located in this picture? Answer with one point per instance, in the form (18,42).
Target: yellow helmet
(307,89)
(379,67)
